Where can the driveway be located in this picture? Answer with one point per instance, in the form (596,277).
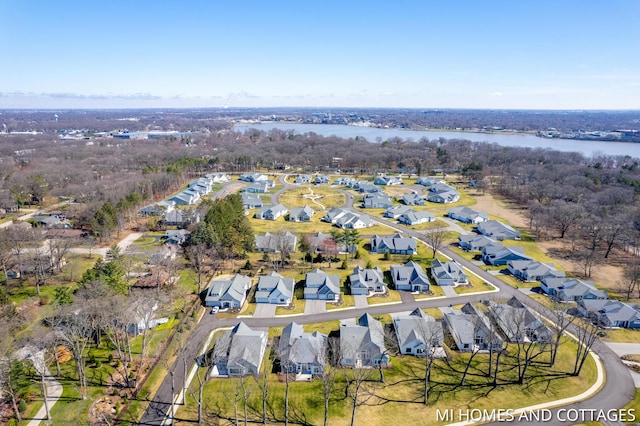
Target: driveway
(627,349)
(449,291)
(315,307)
(406,297)
(265,310)
(360,301)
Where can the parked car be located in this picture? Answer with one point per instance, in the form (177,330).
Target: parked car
(214,310)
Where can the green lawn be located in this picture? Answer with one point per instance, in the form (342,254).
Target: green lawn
(392,296)
(325,198)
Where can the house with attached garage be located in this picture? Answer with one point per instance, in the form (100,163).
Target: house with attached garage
(302,214)
(531,270)
(413,199)
(253,177)
(388,180)
(276,242)
(571,289)
(368,187)
(301,179)
(261,187)
(185,198)
(396,244)
(238,352)
(442,193)
(471,330)
(275,289)
(475,242)
(412,217)
(158,209)
(271,212)
(354,221)
(321,180)
(611,313)
(396,211)
(410,277)
(228,292)
(448,273)
(519,323)
(377,200)
(499,255)
(429,181)
(498,230)
(362,344)
(319,285)
(367,281)
(251,201)
(300,352)
(175,236)
(419,334)
(467,215)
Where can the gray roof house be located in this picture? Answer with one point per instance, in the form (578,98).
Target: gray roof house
(467,215)
(442,193)
(300,352)
(571,289)
(321,180)
(410,277)
(319,285)
(365,281)
(271,212)
(185,198)
(239,352)
(251,201)
(368,187)
(531,270)
(448,273)
(274,243)
(180,218)
(388,180)
(302,179)
(158,209)
(611,313)
(474,242)
(260,187)
(429,181)
(301,214)
(418,334)
(395,212)
(396,244)
(228,292)
(498,230)
(412,217)
(413,199)
(378,200)
(362,344)
(175,236)
(334,214)
(354,221)
(471,330)
(253,177)
(344,181)
(275,289)
(500,255)
(519,323)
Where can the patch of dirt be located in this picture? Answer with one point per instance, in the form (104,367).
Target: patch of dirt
(487,203)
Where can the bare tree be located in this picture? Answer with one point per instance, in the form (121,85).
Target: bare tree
(356,388)
(262,382)
(197,255)
(328,374)
(561,322)
(436,240)
(587,334)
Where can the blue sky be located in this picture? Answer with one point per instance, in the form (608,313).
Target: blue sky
(559,54)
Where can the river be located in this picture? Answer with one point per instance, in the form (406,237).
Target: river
(373,134)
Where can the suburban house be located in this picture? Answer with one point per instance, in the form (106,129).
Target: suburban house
(395,212)
(301,179)
(344,181)
(377,200)
(275,289)
(413,199)
(571,289)
(202,185)
(253,177)
(531,270)
(322,243)
(260,187)
(276,242)
(519,323)
(419,334)
(175,236)
(300,352)
(218,177)
(228,292)
(185,198)
(388,180)
(271,212)
(412,217)
(301,214)
(611,313)
(474,242)
(442,193)
(334,214)
(319,285)
(238,352)
(158,209)
(251,201)
(180,218)
(467,215)
(448,273)
(49,222)
(366,281)
(368,187)
(499,255)
(396,244)
(362,344)
(471,330)
(321,180)
(498,230)
(410,277)
(429,181)
(141,315)
(352,220)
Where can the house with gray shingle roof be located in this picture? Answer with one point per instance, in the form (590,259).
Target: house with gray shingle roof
(302,214)
(300,179)
(413,199)
(395,212)
(571,289)
(412,217)
(531,270)
(448,273)
(499,255)
(377,200)
(443,194)
(410,277)
(467,215)
(185,198)
(611,313)
(362,344)
(228,292)
(365,281)
(498,230)
(251,201)
(271,212)
(388,180)
(321,180)
(475,242)
(418,334)
(275,242)
(260,187)
(275,289)
(300,352)
(471,330)
(239,352)
(354,221)
(429,181)
(319,285)
(519,323)
(396,244)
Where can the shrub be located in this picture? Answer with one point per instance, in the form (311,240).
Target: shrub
(45,300)
(22,405)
